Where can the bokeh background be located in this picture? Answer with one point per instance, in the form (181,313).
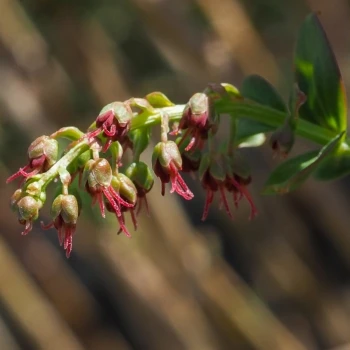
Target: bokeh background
(281,282)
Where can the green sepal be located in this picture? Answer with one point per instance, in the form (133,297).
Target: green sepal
(291,174)
(141,104)
(158,100)
(204,165)
(69,132)
(141,175)
(122,112)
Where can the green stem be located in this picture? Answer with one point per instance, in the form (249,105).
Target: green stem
(243,109)
(239,108)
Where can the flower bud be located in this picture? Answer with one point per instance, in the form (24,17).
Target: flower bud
(44,146)
(28,208)
(114,123)
(42,154)
(28,211)
(65,212)
(166,153)
(125,187)
(97,173)
(17,195)
(116,112)
(197,119)
(167,162)
(65,205)
(140,174)
(197,112)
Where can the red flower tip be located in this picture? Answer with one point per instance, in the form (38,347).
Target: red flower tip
(42,154)
(167,163)
(113,122)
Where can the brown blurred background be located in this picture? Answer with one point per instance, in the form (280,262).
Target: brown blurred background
(279,282)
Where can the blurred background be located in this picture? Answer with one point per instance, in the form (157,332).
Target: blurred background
(281,282)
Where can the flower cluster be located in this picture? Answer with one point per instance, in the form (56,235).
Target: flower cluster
(117,184)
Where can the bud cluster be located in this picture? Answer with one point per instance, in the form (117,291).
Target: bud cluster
(118,184)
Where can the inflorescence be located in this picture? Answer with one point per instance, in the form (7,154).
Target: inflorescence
(119,185)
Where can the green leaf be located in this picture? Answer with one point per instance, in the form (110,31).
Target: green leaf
(258,89)
(261,91)
(334,166)
(292,173)
(248,128)
(318,76)
(158,100)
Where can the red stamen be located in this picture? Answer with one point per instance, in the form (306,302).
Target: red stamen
(190,145)
(106,146)
(253,210)
(28,227)
(111,132)
(133,218)
(224,201)
(111,200)
(208,200)
(32,173)
(17,174)
(46,227)
(101,204)
(120,200)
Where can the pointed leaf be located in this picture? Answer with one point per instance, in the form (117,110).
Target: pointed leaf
(318,76)
(335,166)
(292,173)
(258,89)
(261,91)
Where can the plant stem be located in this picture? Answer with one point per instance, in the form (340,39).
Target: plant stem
(244,109)
(238,108)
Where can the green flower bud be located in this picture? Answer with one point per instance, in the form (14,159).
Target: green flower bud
(17,195)
(28,208)
(126,188)
(141,175)
(97,173)
(166,153)
(65,205)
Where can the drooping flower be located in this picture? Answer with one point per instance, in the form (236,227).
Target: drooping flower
(98,178)
(141,176)
(42,154)
(128,193)
(167,163)
(223,173)
(27,209)
(113,122)
(196,120)
(65,212)
(212,176)
(282,140)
